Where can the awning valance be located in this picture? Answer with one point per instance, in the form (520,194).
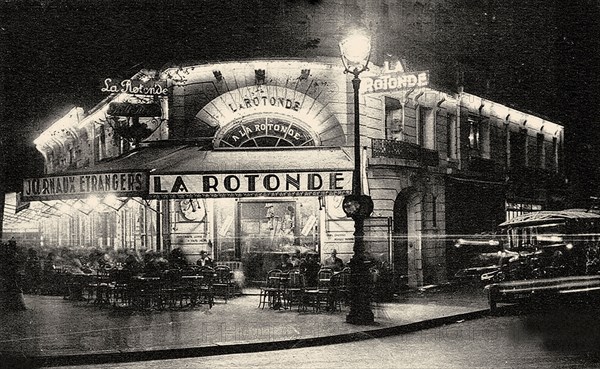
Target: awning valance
(190,171)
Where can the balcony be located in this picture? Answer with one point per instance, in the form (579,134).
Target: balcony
(404,150)
(479,164)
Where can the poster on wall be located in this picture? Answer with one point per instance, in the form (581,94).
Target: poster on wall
(309,226)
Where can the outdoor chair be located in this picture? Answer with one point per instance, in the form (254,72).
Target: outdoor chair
(102,287)
(205,288)
(294,289)
(171,288)
(120,285)
(271,291)
(339,290)
(223,283)
(317,298)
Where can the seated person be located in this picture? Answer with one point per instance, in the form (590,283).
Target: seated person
(333,262)
(285,265)
(204,260)
(177,259)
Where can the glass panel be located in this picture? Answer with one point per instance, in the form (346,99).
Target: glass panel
(271,228)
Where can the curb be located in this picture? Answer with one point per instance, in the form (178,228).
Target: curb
(180,353)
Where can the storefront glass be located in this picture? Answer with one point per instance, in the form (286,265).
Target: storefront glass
(257,231)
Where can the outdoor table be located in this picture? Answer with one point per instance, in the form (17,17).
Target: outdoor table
(146,291)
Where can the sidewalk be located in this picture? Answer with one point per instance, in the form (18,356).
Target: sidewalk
(55,332)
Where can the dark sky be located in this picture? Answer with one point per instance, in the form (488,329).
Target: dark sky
(58,51)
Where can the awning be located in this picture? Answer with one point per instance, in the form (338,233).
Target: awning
(17,212)
(180,171)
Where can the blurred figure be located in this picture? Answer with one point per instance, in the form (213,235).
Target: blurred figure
(11,262)
(333,262)
(133,263)
(296,259)
(310,269)
(177,259)
(285,264)
(33,272)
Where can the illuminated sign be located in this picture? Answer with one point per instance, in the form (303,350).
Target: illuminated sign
(394,82)
(137,87)
(251,184)
(265,131)
(261,99)
(80,185)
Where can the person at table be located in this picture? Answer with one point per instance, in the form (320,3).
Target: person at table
(310,269)
(333,262)
(284,264)
(296,259)
(204,260)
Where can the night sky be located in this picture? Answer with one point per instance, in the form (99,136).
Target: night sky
(58,51)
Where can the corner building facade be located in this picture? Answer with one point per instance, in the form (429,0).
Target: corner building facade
(251,159)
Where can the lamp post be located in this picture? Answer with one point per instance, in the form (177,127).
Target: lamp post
(356,51)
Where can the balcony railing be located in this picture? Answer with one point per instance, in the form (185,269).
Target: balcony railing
(404,150)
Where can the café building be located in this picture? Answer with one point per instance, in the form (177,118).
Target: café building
(251,159)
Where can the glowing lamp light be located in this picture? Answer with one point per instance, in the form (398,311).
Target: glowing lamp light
(63,207)
(110,200)
(92,201)
(356,52)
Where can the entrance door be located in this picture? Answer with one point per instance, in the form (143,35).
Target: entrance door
(400,237)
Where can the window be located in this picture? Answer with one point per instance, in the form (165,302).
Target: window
(474,133)
(393,118)
(100,143)
(51,163)
(515,209)
(72,158)
(539,160)
(451,136)
(425,124)
(434,211)
(518,142)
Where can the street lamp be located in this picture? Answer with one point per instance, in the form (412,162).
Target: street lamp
(356,51)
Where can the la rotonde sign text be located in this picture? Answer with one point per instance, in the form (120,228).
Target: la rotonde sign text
(394,81)
(251,184)
(135,87)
